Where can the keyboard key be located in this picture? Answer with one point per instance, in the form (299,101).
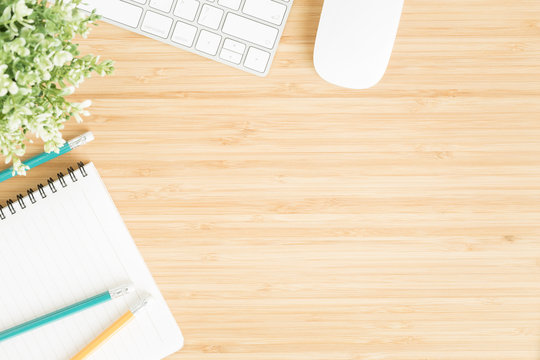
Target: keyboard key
(230,56)
(250,30)
(266,10)
(231,4)
(210,16)
(235,46)
(256,59)
(156,24)
(184,34)
(119,11)
(208,42)
(186,9)
(232,51)
(163,5)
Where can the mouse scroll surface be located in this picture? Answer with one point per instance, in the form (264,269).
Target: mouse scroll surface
(355,40)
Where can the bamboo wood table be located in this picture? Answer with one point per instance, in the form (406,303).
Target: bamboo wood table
(284,218)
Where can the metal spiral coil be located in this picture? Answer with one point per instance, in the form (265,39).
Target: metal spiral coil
(31,195)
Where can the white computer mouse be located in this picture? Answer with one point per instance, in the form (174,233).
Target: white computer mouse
(355,40)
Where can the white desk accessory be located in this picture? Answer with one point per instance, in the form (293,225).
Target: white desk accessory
(355,40)
(240,33)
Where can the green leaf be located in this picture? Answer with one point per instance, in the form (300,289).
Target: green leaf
(40,65)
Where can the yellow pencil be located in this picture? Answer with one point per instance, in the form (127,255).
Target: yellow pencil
(110,331)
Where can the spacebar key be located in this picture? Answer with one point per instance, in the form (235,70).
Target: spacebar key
(249,30)
(116,10)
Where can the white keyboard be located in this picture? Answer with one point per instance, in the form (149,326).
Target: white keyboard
(240,33)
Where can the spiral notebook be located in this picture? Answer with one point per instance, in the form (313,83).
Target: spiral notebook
(62,243)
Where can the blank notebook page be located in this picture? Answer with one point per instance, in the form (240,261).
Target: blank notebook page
(67,247)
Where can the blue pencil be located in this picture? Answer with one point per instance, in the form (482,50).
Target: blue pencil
(66,311)
(44,157)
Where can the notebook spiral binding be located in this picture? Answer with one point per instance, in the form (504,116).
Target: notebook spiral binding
(34,195)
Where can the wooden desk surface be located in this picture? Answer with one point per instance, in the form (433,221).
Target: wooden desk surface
(284,218)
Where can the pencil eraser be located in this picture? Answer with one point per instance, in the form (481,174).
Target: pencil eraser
(142,303)
(121,290)
(89,136)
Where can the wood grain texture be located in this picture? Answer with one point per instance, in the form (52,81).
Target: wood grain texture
(286,219)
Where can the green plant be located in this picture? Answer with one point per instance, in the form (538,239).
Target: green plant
(39,66)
